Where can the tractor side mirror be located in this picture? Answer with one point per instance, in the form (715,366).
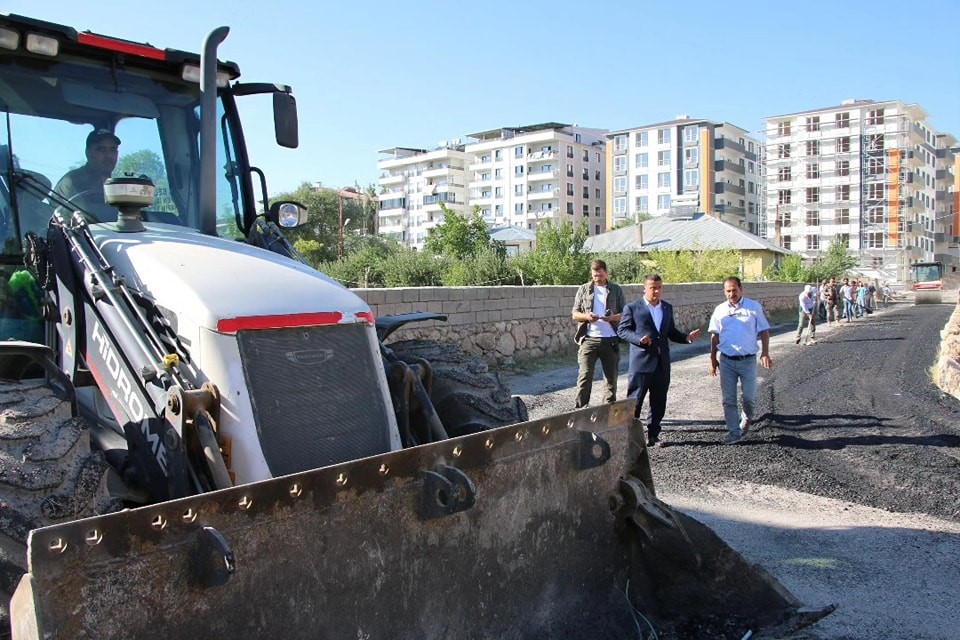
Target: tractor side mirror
(287,214)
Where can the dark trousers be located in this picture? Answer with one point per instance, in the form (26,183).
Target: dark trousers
(607,351)
(657,383)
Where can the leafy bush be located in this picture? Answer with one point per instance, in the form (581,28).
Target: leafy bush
(488,267)
(409,268)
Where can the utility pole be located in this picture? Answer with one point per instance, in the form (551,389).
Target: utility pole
(340,226)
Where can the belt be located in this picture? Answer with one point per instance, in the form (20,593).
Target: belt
(601,338)
(746,357)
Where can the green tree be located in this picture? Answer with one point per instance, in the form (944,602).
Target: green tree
(790,269)
(558,258)
(834,263)
(323,221)
(696,265)
(458,237)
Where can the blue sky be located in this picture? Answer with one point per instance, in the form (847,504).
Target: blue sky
(371,75)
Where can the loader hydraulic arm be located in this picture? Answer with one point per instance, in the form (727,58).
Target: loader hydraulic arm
(113,336)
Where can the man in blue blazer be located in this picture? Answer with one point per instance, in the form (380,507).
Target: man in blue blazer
(647,325)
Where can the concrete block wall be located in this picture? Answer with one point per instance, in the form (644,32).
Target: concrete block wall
(504,323)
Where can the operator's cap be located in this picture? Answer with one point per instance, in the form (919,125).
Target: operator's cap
(99,135)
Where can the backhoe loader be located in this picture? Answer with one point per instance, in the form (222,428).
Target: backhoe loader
(203,436)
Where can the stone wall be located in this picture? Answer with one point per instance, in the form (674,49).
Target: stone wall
(948,367)
(501,324)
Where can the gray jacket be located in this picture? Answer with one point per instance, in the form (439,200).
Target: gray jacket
(583,303)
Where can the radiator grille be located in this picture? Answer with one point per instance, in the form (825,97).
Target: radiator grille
(315,396)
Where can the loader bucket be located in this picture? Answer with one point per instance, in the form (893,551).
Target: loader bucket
(547,528)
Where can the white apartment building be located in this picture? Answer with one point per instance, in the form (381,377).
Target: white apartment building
(523,176)
(874,174)
(414,182)
(686,164)
(515,176)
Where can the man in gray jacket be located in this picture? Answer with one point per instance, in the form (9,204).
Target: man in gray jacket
(596,309)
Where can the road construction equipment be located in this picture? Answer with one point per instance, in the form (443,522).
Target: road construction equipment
(286,472)
(927,280)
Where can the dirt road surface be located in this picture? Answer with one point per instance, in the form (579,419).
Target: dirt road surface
(847,488)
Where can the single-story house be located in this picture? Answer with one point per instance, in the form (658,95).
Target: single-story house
(515,239)
(687,232)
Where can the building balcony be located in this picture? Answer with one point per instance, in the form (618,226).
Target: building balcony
(480,184)
(480,166)
(542,175)
(442,171)
(388,179)
(538,156)
(543,195)
(726,187)
(726,165)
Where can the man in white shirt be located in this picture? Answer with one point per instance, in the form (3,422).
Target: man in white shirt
(597,309)
(808,301)
(735,327)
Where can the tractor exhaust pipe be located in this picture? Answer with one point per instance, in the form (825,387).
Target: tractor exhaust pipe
(208,130)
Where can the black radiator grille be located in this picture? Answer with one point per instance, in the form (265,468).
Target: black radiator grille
(314,395)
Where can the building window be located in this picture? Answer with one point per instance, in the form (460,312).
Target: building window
(569,151)
(842,120)
(569,208)
(875,116)
(596,174)
(663,136)
(813,147)
(783,174)
(569,170)
(498,154)
(875,215)
(843,216)
(875,240)
(750,187)
(518,190)
(813,123)
(663,158)
(619,164)
(619,144)
(663,179)
(586,211)
(785,218)
(843,167)
(874,142)
(690,134)
(813,218)
(598,193)
(783,151)
(842,193)
(844,238)
(663,202)
(691,178)
(586,155)
(518,152)
(783,196)
(875,166)
(813,194)
(569,188)
(843,144)
(498,174)
(786,242)
(691,155)
(641,138)
(586,172)
(619,206)
(596,211)
(813,170)
(783,128)
(518,208)
(619,186)
(498,210)
(642,206)
(498,192)
(518,170)
(750,168)
(813,243)
(641,161)
(642,181)
(875,191)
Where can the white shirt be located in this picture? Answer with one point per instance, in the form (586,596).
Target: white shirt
(656,312)
(806,302)
(738,326)
(600,328)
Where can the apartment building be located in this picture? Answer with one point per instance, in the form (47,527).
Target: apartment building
(514,176)
(413,183)
(523,176)
(686,164)
(874,174)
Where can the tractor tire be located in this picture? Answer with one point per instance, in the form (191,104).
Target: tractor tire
(466,395)
(48,474)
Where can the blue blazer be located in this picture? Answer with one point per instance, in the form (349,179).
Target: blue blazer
(637,322)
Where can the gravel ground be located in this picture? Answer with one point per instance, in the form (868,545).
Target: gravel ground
(847,488)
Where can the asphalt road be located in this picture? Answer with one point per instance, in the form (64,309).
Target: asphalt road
(847,488)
